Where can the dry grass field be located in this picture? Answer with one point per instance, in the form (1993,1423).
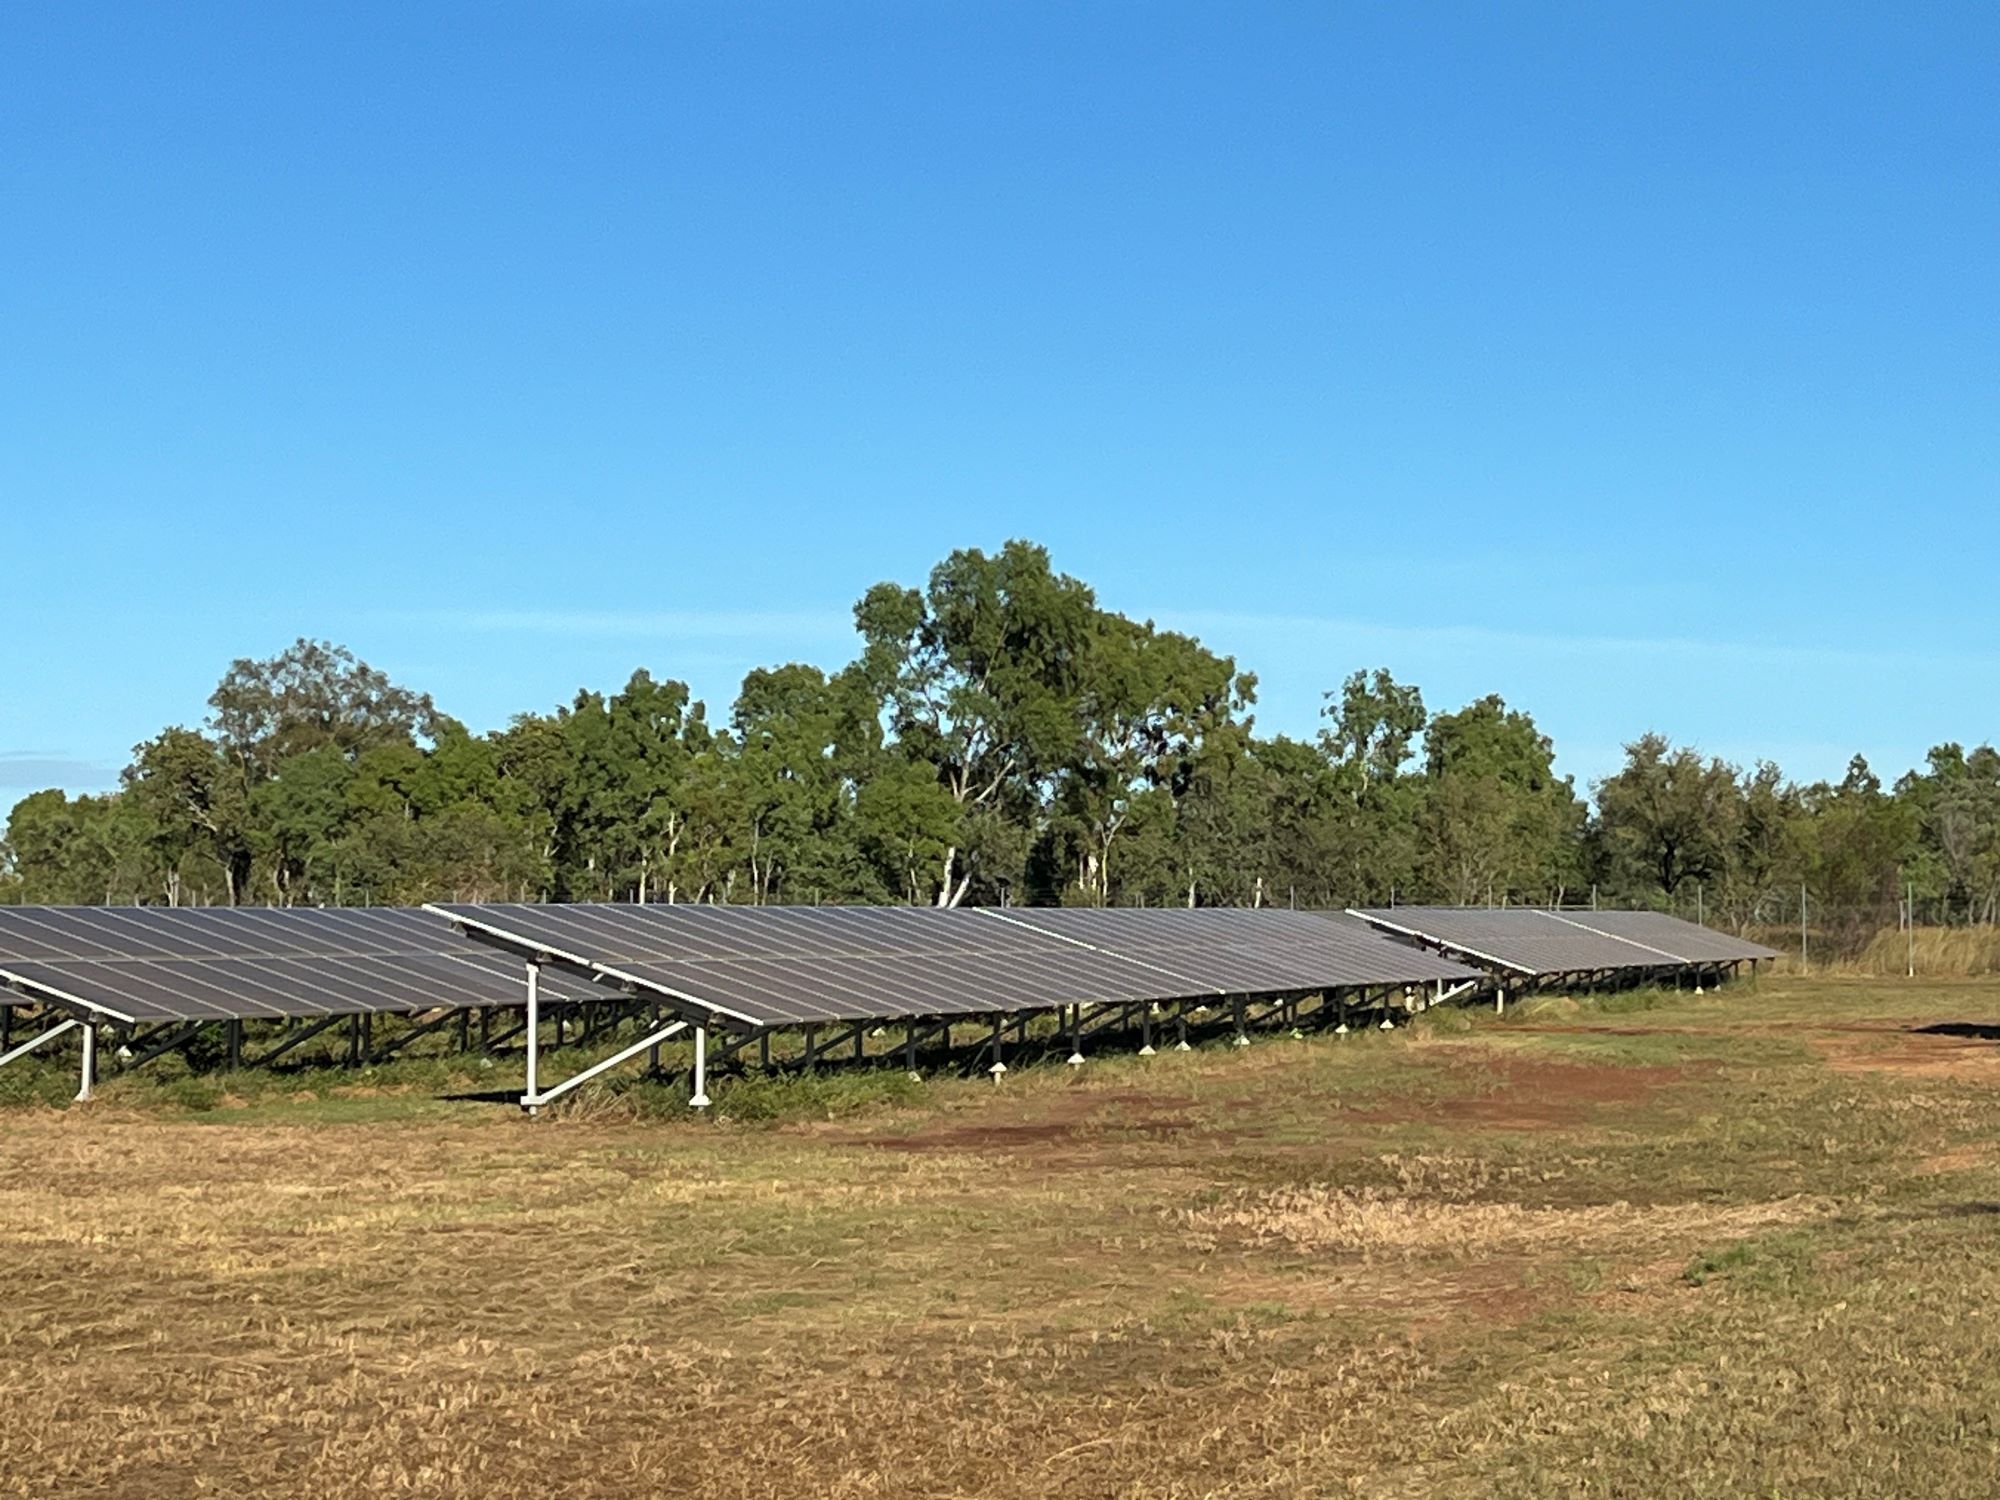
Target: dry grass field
(1741,1244)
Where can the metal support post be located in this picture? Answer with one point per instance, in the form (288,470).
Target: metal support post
(699,1099)
(910,1049)
(999,1064)
(1242,1037)
(1076,1036)
(1180,1027)
(89,1070)
(233,1032)
(531,1100)
(1146,1029)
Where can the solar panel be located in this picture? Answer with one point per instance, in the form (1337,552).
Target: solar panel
(1244,951)
(244,963)
(779,965)
(1690,940)
(1530,940)
(773,965)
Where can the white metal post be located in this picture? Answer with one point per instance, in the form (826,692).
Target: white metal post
(533,1097)
(700,1097)
(89,1061)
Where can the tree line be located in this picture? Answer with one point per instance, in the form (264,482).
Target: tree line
(1000,738)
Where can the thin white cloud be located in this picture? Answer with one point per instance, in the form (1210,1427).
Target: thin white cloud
(1486,638)
(35,769)
(779,625)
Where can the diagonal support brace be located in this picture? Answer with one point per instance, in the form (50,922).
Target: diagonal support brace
(33,1042)
(536,1097)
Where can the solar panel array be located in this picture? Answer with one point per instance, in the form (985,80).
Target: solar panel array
(754,966)
(1530,940)
(242,963)
(782,966)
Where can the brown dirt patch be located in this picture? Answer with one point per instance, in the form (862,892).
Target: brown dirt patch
(1909,1053)
(1057,1120)
(1521,1093)
(1959,1159)
(1326,1219)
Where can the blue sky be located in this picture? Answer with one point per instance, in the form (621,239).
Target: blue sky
(1639,364)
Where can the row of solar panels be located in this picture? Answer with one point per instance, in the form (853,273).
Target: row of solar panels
(777,966)
(1529,940)
(746,966)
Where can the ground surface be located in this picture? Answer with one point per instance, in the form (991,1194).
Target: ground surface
(1745,1244)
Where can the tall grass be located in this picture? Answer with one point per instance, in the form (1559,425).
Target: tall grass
(1938,952)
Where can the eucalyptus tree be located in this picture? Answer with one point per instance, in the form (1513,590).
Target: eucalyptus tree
(802,743)
(194,804)
(1151,701)
(312,694)
(85,850)
(536,763)
(1766,866)
(298,819)
(632,798)
(1956,802)
(1373,724)
(1495,816)
(1667,817)
(978,678)
(1227,827)
(1306,815)
(908,825)
(1857,840)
